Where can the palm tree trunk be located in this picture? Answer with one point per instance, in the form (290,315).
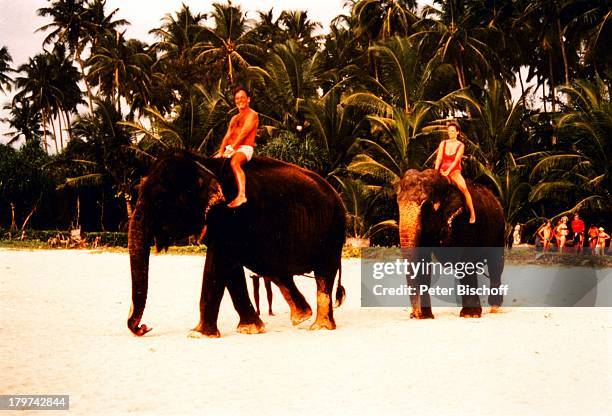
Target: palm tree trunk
(59,120)
(54,134)
(87,86)
(522,87)
(13,221)
(67,118)
(44,124)
(552,80)
(544,94)
(563,52)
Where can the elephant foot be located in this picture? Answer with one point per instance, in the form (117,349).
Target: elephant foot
(323,324)
(252,328)
(197,335)
(495,309)
(297,316)
(423,313)
(470,312)
(204,331)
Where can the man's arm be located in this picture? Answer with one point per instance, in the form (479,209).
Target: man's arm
(250,123)
(225,138)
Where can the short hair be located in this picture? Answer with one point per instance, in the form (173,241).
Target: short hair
(239,88)
(453,123)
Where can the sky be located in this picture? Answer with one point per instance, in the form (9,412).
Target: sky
(19,21)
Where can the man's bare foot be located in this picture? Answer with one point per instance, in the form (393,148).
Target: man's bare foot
(239,200)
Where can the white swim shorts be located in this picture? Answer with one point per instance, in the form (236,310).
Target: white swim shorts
(244,149)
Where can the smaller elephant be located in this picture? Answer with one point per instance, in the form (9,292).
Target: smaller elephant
(433,214)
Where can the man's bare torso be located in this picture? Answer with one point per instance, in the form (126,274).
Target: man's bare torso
(235,127)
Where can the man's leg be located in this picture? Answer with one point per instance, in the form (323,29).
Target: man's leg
(238,160)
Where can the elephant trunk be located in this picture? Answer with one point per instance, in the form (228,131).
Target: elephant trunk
(139,242)
(410,224)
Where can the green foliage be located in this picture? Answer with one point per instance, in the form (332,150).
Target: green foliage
(290,148)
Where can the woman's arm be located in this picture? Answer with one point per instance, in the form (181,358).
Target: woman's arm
(439,156)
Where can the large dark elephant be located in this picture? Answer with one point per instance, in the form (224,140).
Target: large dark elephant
(293,223)
(433,214)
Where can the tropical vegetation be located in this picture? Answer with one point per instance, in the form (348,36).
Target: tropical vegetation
(360,102)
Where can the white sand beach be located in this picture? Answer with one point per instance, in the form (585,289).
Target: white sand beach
(63,330)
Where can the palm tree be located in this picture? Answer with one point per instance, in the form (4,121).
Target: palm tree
(5,68)
(77,23)
(360,201)
(229,44)
(334,126)
(288,76)
(379,19)
(178,35)
(296,26)
(121,68)
(401,145)
(36,85)
(455,37)
(581,175)
(101,148)
(25,122)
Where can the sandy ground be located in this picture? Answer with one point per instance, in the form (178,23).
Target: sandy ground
(62,331)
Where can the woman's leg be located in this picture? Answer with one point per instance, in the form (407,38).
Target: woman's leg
(458,180)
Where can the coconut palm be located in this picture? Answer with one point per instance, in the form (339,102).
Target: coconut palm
(228,45)
(334,126)
(178,36)
(296,26)
(25,122)
(101,149)
(5,68)
(456,38)
(121,68)
(379,19)
(581,175)
(360,201)
(288,77)
(77,23)
(50,82)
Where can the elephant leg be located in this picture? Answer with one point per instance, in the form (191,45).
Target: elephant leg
(300,309)
(250,323)
(213,285)
(421,303)
(325,311)
(496,268)
(268,285)
(255,279)
(471,302)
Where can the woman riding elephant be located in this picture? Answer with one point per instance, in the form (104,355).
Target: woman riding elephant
(448,163)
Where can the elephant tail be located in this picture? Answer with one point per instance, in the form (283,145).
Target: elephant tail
(340,292)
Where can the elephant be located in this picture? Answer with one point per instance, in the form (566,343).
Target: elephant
(432,214)
(292,224)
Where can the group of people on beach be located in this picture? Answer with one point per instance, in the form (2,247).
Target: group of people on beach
(575,232)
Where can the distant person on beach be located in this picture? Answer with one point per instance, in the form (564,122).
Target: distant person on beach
(578,230)
(448,163)
(268,285)
(545,233)
(602,237)
(239,142)
(593,234)
(561,233)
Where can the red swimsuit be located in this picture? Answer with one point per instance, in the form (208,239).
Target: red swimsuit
(447,160)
